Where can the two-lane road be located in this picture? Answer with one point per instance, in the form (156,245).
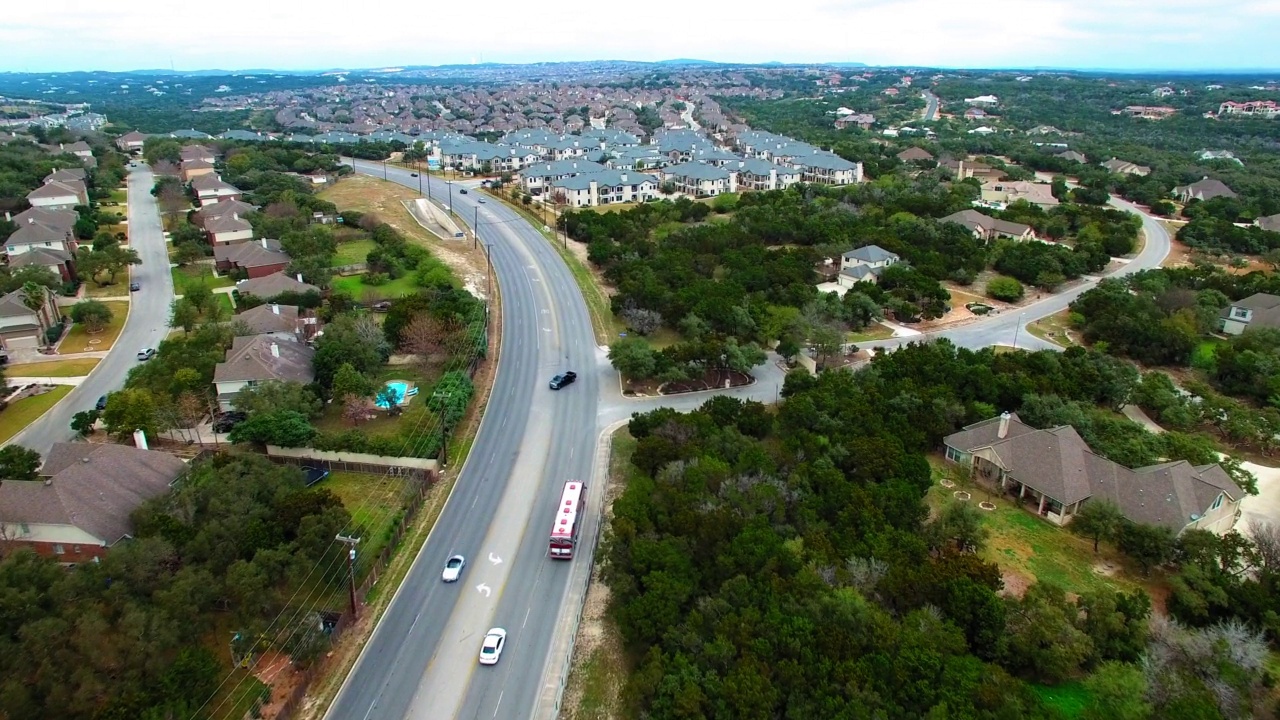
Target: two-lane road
(147,325)
(421,661)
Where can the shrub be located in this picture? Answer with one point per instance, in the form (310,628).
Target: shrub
(374,279)
(1005,288)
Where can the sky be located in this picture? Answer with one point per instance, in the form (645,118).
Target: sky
(325,34)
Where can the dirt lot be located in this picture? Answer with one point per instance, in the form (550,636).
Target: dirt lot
(386,200)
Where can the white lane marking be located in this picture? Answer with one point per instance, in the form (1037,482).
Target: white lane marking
(415,621)
(473,502)
(526,618)
(484,589)
(495,707)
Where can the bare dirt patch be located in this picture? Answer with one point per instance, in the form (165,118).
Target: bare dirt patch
(1015,583)
(275,671)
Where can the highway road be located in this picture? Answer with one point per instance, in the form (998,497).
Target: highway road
(146,326)
(930,107)
(421,660)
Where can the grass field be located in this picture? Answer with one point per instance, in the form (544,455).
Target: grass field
(224,300)
(58,368)
(119,195)
(875,331)
(355,285)
(15,418)
(116,289)
(78,340)
(1056,329)
(185,276)
(350,253)
(375,503)
(1069,698)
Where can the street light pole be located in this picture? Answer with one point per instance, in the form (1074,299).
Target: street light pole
(1016,329)
(475,229)
(419,166)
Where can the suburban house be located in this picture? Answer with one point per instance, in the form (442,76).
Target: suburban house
(1004,192)
(974,113)
(989,228)
(915,154)
(756,174)
(1257,108)
(1219,155)
(701,180)
(606,187)
(269,286)
(1073,156)
(864,264)
(965,169)
(254,359)
(59,195)
(58,260)
(536,177)
(131,142)
(1270,223)
(65,174)
(1146,112)
(42,228)
(227,229)
(985,100)
(1259,310)
(210,189)
(1124,167)
(222,207)
(255,259)
(192,169)
(22,327)
(828,169)
(1206,188)
(1055,472)
(282,322)
(197,152)
(80,149)
(81,506)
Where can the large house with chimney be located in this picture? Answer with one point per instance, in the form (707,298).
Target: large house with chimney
(1054,473)
(254,359)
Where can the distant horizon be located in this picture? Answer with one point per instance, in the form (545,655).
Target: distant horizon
(298,36)
(674,62)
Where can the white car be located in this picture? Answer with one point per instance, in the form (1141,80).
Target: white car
(491,650)
(146,353)
(453,568)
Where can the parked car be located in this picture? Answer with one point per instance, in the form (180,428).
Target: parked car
(146,353)
(453,568)
(134,287)
(563,379)
(381,307)
(223,422)
(491,648)
(101,404)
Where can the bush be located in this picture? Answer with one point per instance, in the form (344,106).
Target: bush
(93,314)
(53,333)
(374,279)
(1005,288)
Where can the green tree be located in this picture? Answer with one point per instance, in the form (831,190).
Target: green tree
(1150,545)
(129,410)
(186,253)
(19,463)
(285,428)
(84,421)
(272,396)
(1098,520)
(349,381)
(93,314)
(634,357)
(1005,288)
(184,314)
(1043,637)
(1118,691)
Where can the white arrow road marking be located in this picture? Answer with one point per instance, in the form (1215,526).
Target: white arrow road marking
(484,589)
(494,559)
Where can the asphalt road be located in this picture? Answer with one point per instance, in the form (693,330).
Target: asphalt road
(147,325)
(931,106)
(421,661)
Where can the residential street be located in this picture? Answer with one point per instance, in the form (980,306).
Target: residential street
(147,325)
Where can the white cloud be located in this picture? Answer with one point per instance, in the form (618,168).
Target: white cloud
(293,34)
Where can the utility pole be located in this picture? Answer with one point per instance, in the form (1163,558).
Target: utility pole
(419,166)
(351,567)
(384,168)
(444,431)
(475,229)
(488,296)
(1017,328)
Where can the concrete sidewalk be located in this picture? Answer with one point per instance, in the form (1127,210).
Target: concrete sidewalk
(29,380)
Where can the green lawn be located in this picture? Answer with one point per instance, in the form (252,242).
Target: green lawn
(374,501)
(78,340)
(15,418)
(874,331)
(119,195)
(185,276)
(57,368)
(1205,354)
(1069,698)
(1056,329)
(116,289)
(355,286)
(350,253)
(224,299)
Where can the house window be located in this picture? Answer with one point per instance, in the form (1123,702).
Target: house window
(1217,503)
(1239,313)
(58,550)
(75,549)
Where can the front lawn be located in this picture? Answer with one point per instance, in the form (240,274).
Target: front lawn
(119,288)
(224,300)
(192,274)
(874,331)
(356,287)
(350,253)
(78,367)
(1055,328)
(78,340)
(15,418)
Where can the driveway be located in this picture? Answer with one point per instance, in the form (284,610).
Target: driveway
(146,326)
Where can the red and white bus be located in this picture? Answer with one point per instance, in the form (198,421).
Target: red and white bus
(564,532)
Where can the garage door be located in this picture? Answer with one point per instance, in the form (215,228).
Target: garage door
(25,342)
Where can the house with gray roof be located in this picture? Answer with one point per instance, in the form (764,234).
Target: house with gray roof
(988,228)
(59,195)
(1124,167)
(757,174)
(282,322)
(131,141)
(190,134)
(641,157)
(243,136)
(269,286)
(864,264)
(254,359)
(56,259)
(1259,310)
(536,176)
(826,168)
(65,174)
(1054,473)
(1270,223)
(82,504)
(210,189)
(21,326)
(605,187)
(700,179)
(255,259)
(40,227)
(1206,188)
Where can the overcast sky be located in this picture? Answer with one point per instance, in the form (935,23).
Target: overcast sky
(40,36)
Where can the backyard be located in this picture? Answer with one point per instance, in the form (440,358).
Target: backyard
(375,503)
(79,339)
(355,286)
(15,418)
(350,253)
